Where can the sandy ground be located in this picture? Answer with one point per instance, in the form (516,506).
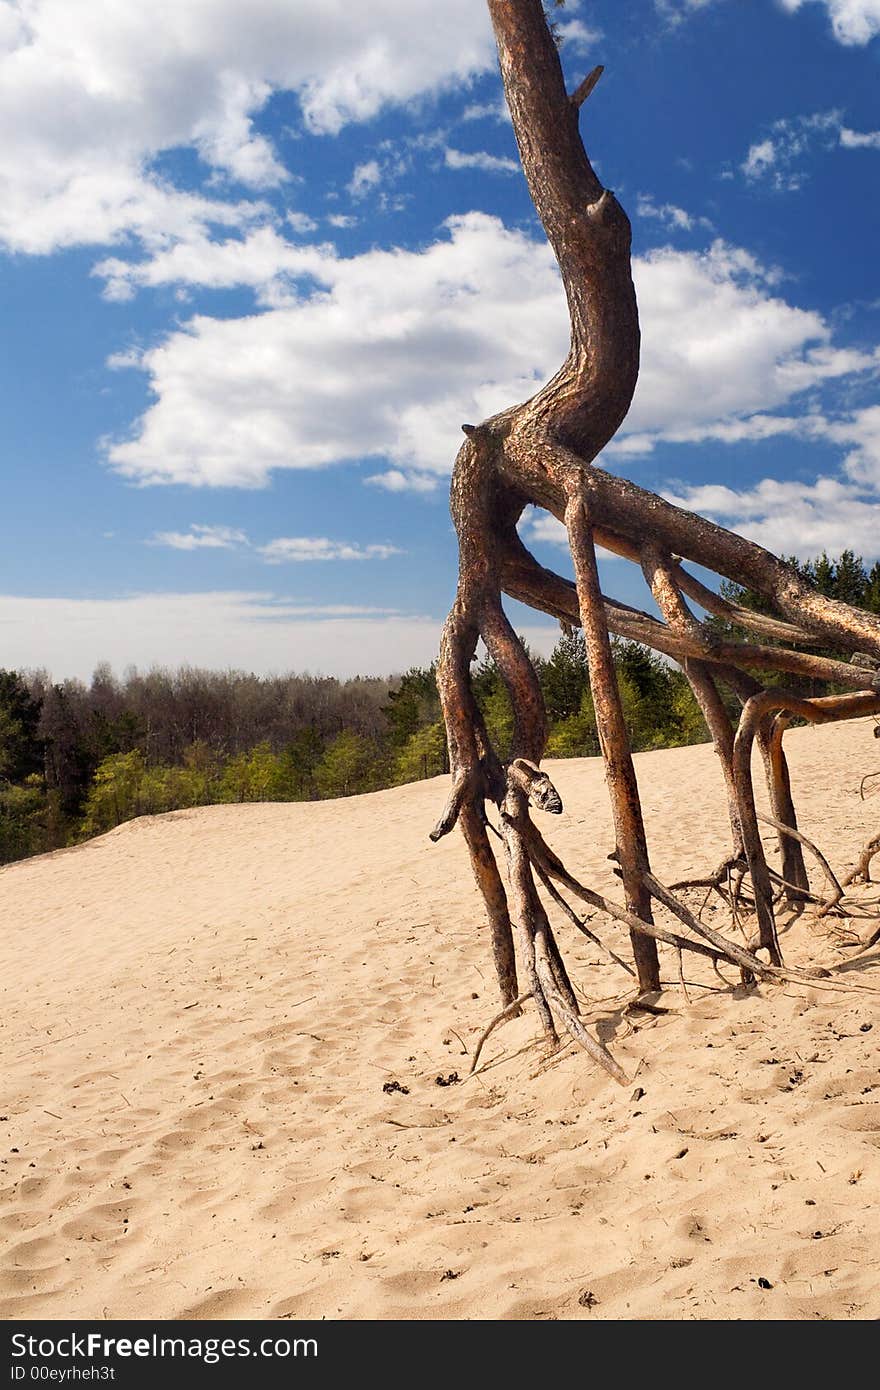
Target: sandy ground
(200,1012)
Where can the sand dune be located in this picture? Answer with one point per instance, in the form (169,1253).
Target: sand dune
(201,1011)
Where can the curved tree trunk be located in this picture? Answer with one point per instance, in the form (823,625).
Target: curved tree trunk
(543,452)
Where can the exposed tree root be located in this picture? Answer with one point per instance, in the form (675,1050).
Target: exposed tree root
(862,869)
(511,1011)
(573,917)
(715,880)
(871,939)
(543,452)
(836,890)
(868,777)
(804,894)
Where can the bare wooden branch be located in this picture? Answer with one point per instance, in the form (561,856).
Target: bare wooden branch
(462,784)
(583,90)
(536,785)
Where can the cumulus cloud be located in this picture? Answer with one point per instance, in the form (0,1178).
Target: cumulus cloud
(852,21)
(479,159)
(794,518)
(577,36)
(305,548)
(804,518)
(487,111)
(384,360)
(225,138)
(201,538)
(393,350)
(777,158)
(760,158)
(719,347)
(251,631)
(365,177)
(377,175)
(676,11)
(859,140)
(279,551)
(301,223)
(676,218)
(787,517)
(537,525)
(396,480)
(859,433)
(91,94)
(261,260)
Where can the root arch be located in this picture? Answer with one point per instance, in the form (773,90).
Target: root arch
(542,452)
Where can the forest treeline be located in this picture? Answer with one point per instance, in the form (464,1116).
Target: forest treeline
(77,760)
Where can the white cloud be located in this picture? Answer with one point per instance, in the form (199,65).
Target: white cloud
(385,359)
(305,548)
(396,480)
(478,159)
(577,36)
(282,550)
(301,223)
(365,177)
(487,111)
(795,518)
(378,174)
(777,158)
(761,157)
(676,11)
(719,347)
(91,94)
(852,21)
(860,434)
(541,526)
(394,350)
(225,138)
(201,538)
(259,632)
(805,518)
(859,140)
(789,518)
(104,205)
(262,260)
(671,216)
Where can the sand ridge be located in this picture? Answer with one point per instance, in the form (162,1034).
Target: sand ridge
(202,1012)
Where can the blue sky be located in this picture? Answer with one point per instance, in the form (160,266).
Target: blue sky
(260,262)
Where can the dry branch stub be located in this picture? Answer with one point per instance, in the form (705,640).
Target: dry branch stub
(543,452)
